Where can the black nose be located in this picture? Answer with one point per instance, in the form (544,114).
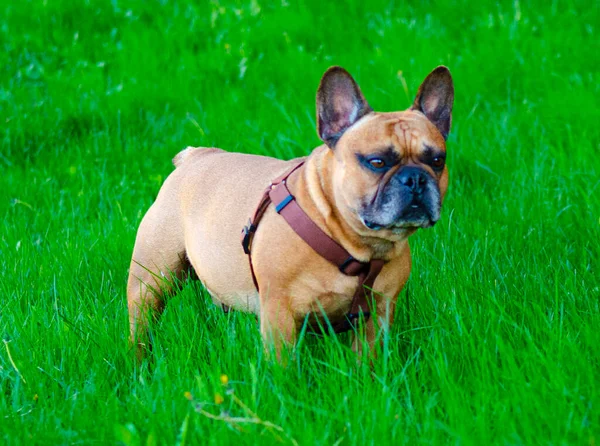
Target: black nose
(414,178)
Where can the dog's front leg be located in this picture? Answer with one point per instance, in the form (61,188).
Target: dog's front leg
(278,327)
(389,284)
(365,340)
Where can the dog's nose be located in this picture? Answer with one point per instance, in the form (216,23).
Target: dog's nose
(414,178)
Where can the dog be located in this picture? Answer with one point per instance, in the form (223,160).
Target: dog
(377,179)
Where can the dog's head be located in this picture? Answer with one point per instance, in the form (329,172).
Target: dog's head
(390,171)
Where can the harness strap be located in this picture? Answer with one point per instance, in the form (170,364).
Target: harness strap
(249,230)
(287,206)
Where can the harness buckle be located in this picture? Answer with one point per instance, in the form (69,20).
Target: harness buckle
(248,233)
(348,262)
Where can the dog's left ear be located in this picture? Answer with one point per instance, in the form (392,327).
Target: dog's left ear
(340,103)
(435,99)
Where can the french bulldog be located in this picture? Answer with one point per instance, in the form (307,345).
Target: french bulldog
(377,179)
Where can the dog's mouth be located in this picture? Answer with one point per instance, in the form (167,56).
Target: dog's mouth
(400,225)
(414,216)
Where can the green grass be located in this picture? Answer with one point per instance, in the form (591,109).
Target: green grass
(499,338)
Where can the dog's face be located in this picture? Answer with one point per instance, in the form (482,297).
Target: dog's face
(390,171)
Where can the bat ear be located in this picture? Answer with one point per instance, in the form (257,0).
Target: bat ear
(435,99)
(340,103)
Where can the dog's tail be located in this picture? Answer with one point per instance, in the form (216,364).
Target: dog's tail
(182,156)
(186,153)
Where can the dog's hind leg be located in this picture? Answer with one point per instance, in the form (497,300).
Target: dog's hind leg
(158,264)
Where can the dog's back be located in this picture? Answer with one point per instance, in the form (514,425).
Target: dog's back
(198,216)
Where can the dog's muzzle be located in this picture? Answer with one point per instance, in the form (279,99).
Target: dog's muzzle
(411,199)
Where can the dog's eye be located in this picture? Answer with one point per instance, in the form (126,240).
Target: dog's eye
(377,163)
(438,162)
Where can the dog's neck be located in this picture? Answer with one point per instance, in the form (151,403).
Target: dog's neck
(318,197)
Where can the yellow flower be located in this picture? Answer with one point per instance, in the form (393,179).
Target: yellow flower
(224,380)
(188,396)
(218,398)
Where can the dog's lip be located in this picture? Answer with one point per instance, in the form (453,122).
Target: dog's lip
(372,225)
(417,220)
(413,224)
(407,224)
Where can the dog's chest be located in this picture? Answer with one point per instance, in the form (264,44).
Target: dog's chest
(326,297)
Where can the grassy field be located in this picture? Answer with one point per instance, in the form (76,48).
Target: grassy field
(498,341)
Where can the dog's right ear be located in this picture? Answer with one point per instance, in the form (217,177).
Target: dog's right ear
(435,99)
(340,103)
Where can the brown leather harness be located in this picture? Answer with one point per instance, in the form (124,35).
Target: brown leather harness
(287,206)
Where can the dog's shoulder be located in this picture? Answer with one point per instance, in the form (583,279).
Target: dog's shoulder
(193,152)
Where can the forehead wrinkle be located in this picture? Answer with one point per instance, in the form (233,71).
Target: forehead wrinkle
(409,134)
(401,136)
(414,140)
(396,145)
(406,146)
